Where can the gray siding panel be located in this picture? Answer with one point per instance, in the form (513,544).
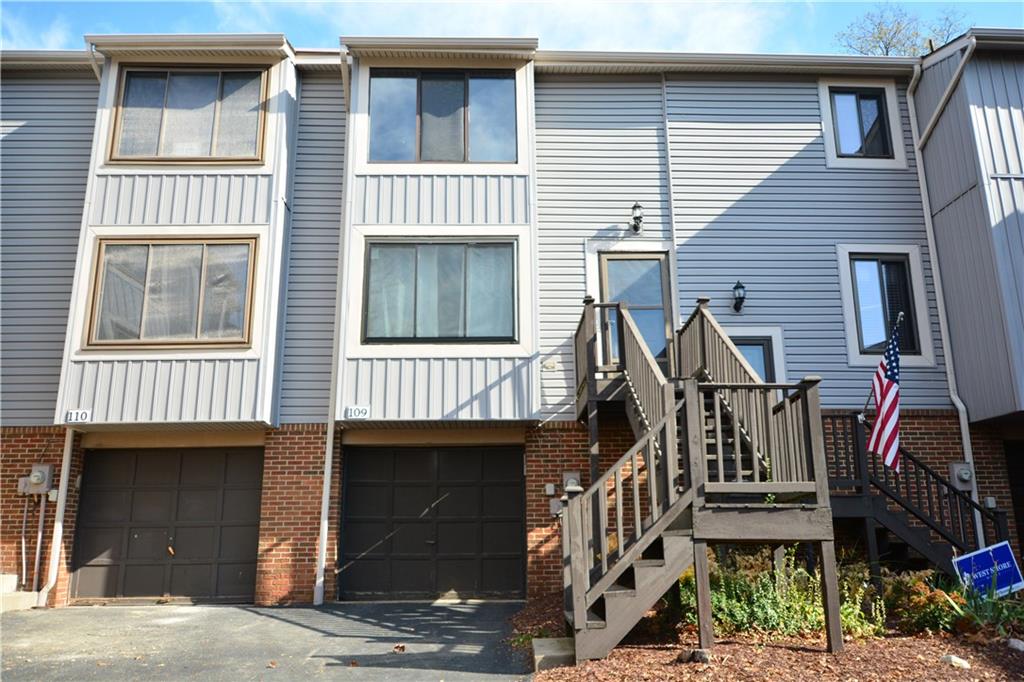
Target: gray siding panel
(997,89)
(1007,200)
(950,161)
(440,388)
(754,201)
(139,391)
(932,85)
(313,250)
(441,200)
(46,134)
(600,147)
(181,199)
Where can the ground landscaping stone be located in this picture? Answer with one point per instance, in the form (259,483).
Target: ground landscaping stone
(1015,644)
(956,662)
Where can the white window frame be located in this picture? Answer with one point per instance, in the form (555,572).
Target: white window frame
(832,159)
(773,333)
(855,357)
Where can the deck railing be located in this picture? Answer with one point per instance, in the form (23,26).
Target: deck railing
(918,489)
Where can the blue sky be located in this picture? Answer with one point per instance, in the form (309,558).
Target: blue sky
(751,26)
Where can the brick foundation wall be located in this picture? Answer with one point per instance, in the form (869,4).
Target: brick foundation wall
(990,468)
(20,448)
(293,466)
(552,448)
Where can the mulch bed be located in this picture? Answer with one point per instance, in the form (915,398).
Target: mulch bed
(749,657)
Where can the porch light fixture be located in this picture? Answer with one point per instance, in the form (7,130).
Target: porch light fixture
(637,224)
(739,295)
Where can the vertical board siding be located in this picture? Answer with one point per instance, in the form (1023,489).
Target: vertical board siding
(45,143)
(997,92)
(1006,196)
(181,199)
(313,250)
(441,200)
(600,148)
(440,388)
(141,391)
(950,159)
(755,202)
(932,85)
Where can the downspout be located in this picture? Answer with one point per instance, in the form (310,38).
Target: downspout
(58,519)
(940,299)
(332,409)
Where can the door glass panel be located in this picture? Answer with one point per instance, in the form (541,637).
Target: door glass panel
(635,282)
(639,283)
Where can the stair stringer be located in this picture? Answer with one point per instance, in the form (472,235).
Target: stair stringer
(625,607)
(917,537)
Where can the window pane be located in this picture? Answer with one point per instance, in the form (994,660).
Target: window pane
(492,119)
(439,290)
(188,123)
(393,118)
(224,291)
(390,288)
(754,354)
(124,280)
(898,299)
(873,330)
(140,114)
(172,299)
(876,139)
(847,122)
(651,324)
(635,281)
(490,291)
(239,122)
(442,117)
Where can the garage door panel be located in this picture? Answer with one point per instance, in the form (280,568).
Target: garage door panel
(107,506)
(238,543)
(202,468)
(459,465)
(458,501)
(144,580)
(195,543)
(157,469)
(412,501)
(198,505)
(241,505)
(454,537)
(152,505)
(435,504)
(148,543)
(168,499)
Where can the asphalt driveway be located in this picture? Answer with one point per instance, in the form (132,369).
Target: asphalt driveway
(456,641)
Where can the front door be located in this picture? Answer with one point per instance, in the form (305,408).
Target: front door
(640,280)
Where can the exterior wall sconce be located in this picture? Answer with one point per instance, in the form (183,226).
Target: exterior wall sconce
(637,224)
(739,295)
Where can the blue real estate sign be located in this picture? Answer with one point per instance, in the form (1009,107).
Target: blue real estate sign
(991,567)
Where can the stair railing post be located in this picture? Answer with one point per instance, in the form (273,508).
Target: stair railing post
(861,444)
(572,520)
(590,333)
(671,453)
(815,437)
(702,303)
(1002,526)
(694,408)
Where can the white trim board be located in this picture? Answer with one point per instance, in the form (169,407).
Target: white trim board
(899,152)
(924,329)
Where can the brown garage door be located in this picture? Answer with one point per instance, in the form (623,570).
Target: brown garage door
(429,522)
(178,523)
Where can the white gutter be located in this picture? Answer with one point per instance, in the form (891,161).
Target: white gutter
(332,403)
(972,44)
(58,519)
(940,299)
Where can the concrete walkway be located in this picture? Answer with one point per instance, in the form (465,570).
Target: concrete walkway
(344,641)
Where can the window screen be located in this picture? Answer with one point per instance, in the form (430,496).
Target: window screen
(440,291)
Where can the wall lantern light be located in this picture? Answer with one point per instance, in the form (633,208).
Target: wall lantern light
(637,225)
(739,295)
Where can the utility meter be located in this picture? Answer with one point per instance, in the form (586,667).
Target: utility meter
(39,480)
(961,474)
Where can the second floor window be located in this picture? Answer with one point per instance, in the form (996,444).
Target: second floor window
(860,119)
(882,290)
(173,292)
(190,114)
(442,116)
(440,292)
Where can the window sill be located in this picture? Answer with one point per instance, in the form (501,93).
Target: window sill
(861,163)
(437,168)
(916,361)
(466,351)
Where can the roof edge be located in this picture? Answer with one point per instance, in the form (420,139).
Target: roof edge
(652,62)
(58,60)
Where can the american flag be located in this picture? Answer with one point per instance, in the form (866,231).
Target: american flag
(885,436)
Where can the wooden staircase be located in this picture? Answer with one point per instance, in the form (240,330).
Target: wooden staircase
(720,456)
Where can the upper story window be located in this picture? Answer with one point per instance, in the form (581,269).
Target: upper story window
(442,116)
(190,114)
(439,292)
(882,290)
(172,292)
(860,122)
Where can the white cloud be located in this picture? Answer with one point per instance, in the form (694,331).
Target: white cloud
(595,25)
(17,33)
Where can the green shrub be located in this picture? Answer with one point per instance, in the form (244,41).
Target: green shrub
(918,604)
